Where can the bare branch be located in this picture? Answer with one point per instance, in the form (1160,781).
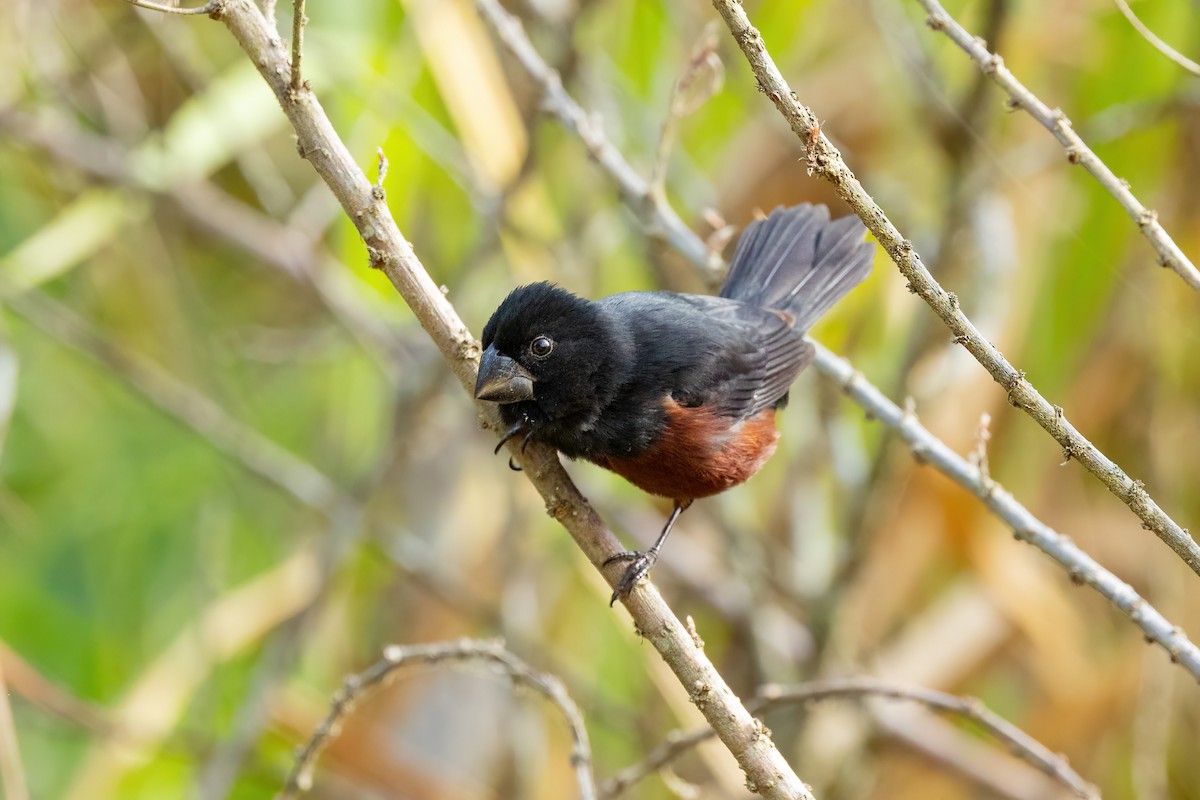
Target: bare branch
(928,448)
(1159,45)
(317,141)
(298,23)
(1081,567)
(1055,121)
(396,659)
(207,8)
(771,696)
(825,160)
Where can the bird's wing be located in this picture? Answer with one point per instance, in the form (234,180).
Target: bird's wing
(754,356)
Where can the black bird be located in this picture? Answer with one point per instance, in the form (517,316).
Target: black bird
(677,393)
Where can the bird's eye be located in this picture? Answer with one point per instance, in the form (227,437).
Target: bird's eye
(541,346)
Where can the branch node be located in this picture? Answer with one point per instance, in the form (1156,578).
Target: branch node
(848,384)
(979,456)
(690,624)
(378,258)
(1013,385)
(377,190)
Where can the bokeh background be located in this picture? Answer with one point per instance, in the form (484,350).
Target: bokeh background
(234,468)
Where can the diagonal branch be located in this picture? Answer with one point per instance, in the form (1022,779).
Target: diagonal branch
(772,696)
(397,659)
(1055,121)
(825,160)
(658,215)
(389,251)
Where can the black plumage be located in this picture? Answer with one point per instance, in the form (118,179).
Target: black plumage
(600,393)
(675,392)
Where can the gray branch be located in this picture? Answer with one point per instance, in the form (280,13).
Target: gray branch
(1055,121)
(771,696)
(824,160)
(396,658)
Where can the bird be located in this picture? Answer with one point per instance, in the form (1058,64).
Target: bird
(677,393)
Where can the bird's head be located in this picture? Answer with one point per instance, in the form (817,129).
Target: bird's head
(549,355)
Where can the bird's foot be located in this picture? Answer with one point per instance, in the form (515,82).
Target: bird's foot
(640,563)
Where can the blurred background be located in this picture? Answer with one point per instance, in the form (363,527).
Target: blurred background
(233,467)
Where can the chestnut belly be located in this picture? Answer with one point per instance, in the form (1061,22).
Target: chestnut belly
(699,453)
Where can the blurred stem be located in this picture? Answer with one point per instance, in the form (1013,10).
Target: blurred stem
(220,213)
(191,407)
(11,770)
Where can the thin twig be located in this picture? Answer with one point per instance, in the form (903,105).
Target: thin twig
(396,659)
(1055,121)
(389,251)
(772,696)
(701,78)
(1162,47)
(207,8)
(658,219)
(12,773)
(931,450)
(298,23)
(824,160)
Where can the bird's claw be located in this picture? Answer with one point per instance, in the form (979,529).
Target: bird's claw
(640,563)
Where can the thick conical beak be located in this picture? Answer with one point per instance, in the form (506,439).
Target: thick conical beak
(502,380)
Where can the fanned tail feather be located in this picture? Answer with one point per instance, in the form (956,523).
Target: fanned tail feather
(797,260)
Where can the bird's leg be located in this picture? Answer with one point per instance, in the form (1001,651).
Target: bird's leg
(642,561)
(522,426)
(525,426)
(515,467)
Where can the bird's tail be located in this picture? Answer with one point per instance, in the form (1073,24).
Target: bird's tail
(797,261)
